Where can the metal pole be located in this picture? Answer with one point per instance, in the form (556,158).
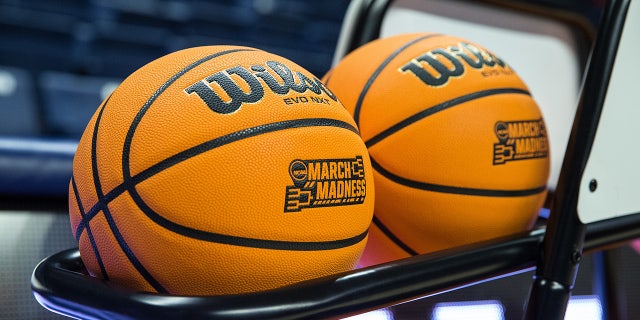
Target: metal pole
(561,251)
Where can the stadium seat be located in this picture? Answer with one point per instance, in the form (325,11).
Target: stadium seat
(70,100)
(19,114)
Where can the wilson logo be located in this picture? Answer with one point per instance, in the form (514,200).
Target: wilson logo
(520,140)
(226,91)
(437,66)
(324,183)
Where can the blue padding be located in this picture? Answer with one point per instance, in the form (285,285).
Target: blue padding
(35,166)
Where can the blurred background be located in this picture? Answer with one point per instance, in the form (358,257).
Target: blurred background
(59,59)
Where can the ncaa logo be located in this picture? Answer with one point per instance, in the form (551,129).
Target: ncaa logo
(298,171)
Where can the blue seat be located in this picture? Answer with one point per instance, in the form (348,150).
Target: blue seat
(18,110)
(35,39)
(70,100)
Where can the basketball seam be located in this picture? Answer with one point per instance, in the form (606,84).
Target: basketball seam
(391,236)
(429,111)
(240,135)
(453,189)
(131,187)
(237,240)
(126,173)
(143,110)
(97,207)
(107,214)
(374,76)
(209,145)
(92,241)
(250,242)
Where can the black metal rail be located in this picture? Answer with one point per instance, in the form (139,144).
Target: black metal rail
(61,283)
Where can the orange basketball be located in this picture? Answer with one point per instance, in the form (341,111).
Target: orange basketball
(457,143)
(220,170)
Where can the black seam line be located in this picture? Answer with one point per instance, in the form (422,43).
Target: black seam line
(455,190)
(84,222)
(369,83)
(236,240)
(86,218)
(244,241)
(130,254)
(101,201)
(149,172)
(440,107)
(393,237)
(240,135)
(99,206)
(92,241)
(107,214)
(280,245)
(214,143)
(126,151)
(94,156)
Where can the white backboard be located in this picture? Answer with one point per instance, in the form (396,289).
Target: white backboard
(614,162)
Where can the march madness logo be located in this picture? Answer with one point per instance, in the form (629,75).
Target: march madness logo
(325,183)
(520,140)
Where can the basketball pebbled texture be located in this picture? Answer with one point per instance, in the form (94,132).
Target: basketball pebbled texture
(220,170)
(458,144)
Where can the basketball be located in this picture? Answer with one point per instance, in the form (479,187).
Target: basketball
(220,170)
(457,143)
